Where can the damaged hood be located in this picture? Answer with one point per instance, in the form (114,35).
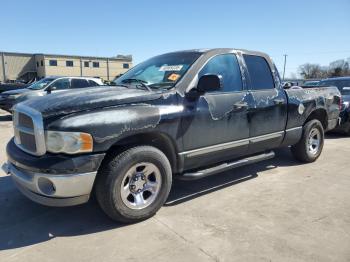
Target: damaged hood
(63,103)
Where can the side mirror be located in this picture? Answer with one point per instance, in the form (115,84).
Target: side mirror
(209,83)
(50,88)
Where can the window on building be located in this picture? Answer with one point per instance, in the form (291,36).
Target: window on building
(125,66)
(79,83)
(86,64)
(42,62)
(95,64)
(53,62)
(69,63)
(37,63)
(227,66)
(259,72)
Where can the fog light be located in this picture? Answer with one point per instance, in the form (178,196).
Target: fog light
(46,186)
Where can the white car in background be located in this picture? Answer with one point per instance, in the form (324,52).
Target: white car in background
(45,86)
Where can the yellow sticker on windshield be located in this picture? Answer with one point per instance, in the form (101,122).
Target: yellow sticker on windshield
(173,77)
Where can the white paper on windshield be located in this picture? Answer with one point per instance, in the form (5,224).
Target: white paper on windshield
(171,68)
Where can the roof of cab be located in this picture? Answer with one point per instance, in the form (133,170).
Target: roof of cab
(222,50)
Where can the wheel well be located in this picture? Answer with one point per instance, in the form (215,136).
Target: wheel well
(319,114)
(157,140)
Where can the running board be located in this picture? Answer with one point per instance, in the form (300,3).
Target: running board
(226,166)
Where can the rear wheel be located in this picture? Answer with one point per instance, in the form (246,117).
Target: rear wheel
(133,185)
(310,146)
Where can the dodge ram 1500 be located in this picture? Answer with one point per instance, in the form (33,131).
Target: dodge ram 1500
(186,114)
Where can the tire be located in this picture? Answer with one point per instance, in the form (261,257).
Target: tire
(307,150)
(132,186)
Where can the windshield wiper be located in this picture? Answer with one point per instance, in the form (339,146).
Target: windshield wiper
(141,82)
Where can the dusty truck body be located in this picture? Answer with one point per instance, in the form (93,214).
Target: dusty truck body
(185,114)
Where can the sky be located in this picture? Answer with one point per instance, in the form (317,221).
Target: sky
(307,31)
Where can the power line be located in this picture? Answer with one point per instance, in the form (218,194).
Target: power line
(315,53)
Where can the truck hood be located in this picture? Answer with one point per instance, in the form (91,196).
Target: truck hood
(63,103)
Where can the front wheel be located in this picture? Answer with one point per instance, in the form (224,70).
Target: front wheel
(310,146)
(133,185)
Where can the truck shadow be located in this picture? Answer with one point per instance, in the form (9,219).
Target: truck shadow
(25,223)
(183,191)
(334,135)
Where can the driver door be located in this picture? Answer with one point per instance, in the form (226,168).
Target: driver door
(215,126)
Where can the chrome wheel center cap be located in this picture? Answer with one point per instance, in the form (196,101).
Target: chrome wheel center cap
(137,183)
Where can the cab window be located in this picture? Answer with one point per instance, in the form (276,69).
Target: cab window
(259,73)
(227,66)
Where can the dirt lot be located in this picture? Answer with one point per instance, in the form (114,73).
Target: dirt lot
(278,210)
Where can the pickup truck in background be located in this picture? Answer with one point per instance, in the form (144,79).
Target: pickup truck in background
(43,87)
(186,114)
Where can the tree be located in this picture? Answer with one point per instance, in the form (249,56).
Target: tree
(339,68)
(309,71)
(336,68)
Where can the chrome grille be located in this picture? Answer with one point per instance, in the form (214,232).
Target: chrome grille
(26,121)
(28,129)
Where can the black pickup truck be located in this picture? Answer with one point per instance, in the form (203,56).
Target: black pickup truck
(186,114)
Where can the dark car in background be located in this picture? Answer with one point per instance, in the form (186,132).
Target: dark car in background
(310,83)
(12,86)
(43,87)
(343,84)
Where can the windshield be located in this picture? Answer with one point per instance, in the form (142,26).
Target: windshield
(342,85)
(41,83)
(162,71)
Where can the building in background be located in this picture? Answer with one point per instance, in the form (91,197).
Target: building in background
(21,66)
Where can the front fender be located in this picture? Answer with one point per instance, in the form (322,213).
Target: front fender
(109,125)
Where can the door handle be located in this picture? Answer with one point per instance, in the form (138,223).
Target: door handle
(240,105)
(278,101)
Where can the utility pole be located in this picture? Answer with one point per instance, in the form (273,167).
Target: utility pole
(3,67)
(107,69)
(81,67)
(284,67)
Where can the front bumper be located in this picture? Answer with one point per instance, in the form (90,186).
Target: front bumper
(52,190)
(53,180)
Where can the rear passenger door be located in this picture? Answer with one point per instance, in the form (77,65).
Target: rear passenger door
(268,116)
(79,83)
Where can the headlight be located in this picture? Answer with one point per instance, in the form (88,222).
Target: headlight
(346,104)
(68,142)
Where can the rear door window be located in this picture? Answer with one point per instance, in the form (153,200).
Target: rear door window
(79,83)
(259,73)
